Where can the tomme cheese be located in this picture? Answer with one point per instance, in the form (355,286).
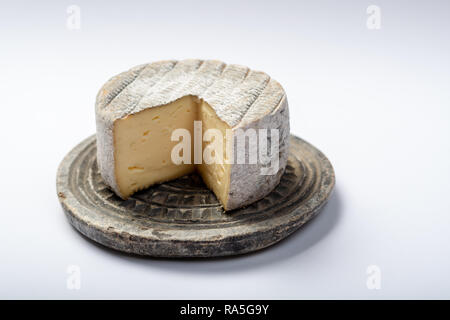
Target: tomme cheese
(139,111)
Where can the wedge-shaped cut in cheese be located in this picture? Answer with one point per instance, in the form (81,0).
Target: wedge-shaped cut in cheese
(138,110)
(215,175)
(143,145)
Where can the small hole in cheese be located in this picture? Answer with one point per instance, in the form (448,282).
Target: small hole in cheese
(135,168)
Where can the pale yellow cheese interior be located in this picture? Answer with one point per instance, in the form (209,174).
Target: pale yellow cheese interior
(143,146)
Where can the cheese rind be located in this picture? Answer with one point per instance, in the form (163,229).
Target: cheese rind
(231,96)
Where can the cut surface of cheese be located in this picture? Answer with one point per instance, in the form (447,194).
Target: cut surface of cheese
(217,174)
(143,145)
(138,110)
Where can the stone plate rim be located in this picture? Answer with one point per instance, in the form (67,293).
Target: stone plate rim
(147,244)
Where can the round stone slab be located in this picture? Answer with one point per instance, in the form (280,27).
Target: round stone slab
(182,218)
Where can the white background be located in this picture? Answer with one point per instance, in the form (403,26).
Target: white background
(376,102)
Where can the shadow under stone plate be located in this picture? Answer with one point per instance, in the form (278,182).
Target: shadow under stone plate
(182,218)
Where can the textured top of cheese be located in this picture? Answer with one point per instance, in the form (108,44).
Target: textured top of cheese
(237,94)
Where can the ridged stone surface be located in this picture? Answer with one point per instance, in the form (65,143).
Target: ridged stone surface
(182,218)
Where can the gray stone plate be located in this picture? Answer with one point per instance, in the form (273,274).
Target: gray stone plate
(182,218)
